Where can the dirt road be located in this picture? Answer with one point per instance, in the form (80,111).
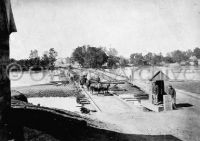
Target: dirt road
(181,124)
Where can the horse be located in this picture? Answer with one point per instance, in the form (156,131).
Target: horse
(95,87)
(104,88)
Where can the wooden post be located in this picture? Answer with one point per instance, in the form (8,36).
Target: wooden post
(132,74)
(167,102)
(7,26)
(4,86)
(150,93)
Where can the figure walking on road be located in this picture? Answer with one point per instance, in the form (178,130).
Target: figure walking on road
(172,92)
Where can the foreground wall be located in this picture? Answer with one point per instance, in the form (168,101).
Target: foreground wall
(7,26)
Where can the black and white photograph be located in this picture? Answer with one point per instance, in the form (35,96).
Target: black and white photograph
(99,70)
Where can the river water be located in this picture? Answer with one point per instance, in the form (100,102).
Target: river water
(26,78)
(176,73)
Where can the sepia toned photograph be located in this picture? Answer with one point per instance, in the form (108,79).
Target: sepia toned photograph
(99,70)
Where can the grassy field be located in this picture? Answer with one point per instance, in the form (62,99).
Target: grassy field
(189,86)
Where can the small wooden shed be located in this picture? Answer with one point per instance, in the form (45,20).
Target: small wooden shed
(159,78)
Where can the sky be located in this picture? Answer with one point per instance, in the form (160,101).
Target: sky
(129,26)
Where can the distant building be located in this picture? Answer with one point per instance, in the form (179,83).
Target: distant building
(105,65)
(192,63)
(183,63)
(173,65)
(162,63)
(198,60)
(62,62)
(193,60)
(76,65)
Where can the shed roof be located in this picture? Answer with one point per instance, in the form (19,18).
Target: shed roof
(159,76)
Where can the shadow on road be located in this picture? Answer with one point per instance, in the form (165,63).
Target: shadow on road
(181,105)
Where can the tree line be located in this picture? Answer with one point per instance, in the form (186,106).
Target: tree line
(35,62)
(176,56)
(96,57)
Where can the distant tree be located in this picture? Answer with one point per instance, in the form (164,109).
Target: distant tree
(168,59)
(26,64)
(34,54)
(157,59)
(136,59)
(189,53)
(52,54)
(12,60)
(35,62)
(89,56)
(112,61)
(95,57)
(149,58)
(45,60)
(52,57)
(34,59)
(71,59)
(111,52)
(196,52)
(123,62)
(196,63)
(79,55)
(179,56)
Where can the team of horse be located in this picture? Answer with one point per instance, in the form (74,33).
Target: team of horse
(94,85)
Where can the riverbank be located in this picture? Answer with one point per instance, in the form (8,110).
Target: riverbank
(46,90)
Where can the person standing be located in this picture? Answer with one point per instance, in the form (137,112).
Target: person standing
(172,93)
(155,91)
(98,79)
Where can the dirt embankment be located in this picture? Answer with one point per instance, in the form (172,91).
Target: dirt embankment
(47,90)
(54,124)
